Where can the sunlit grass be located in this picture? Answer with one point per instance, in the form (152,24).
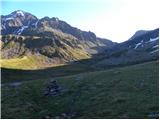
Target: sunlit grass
(26,63)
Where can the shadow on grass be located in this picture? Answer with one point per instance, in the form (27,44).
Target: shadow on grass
(16,75)
(76,67)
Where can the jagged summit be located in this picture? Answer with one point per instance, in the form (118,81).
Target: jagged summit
(24,23)
(60,42)
(18,13)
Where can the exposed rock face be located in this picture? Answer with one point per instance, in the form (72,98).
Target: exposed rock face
(15,22)
(23,23)
(23,34)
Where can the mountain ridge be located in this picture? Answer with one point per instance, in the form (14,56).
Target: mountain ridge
(54,41)
(144,47)
(23,34)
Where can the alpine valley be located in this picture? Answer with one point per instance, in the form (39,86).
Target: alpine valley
(96,77)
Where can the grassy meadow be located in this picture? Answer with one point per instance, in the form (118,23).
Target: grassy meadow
(125,92)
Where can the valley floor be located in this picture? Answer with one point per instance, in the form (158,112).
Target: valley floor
(126,92)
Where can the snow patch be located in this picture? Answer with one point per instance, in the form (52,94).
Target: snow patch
(20,13)
(153,39)
(155,46)
(10,18)
(154,51)
(21,30)
(36,23)
(138,44)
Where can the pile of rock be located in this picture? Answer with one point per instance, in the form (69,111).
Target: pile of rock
(52,89)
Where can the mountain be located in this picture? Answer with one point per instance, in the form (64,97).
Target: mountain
(138,33)
(23,23)
(38,43)
(17,22)
(86,85)
(48,39)
(144,46)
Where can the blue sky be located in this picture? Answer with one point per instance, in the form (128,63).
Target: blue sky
(113,19)
(64,10)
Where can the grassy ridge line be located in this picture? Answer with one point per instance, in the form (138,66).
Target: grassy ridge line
(128,92)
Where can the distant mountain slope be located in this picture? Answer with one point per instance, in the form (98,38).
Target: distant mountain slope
(138,33)
(52,42)
(143,47)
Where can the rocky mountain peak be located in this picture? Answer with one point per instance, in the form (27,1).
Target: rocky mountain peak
(16,22)
(23,23)
(18,13)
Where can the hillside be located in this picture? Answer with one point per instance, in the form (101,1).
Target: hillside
(46,41)
(143,47)
(50,42)
(50,69)
(127,92)
(40,52)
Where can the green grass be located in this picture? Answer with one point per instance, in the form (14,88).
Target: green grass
(16,75)
(127,92)
(31,62)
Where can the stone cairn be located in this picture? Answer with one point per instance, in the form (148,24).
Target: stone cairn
(52,89)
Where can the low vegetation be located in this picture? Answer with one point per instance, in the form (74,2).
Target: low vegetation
(27,62)
(126,92)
